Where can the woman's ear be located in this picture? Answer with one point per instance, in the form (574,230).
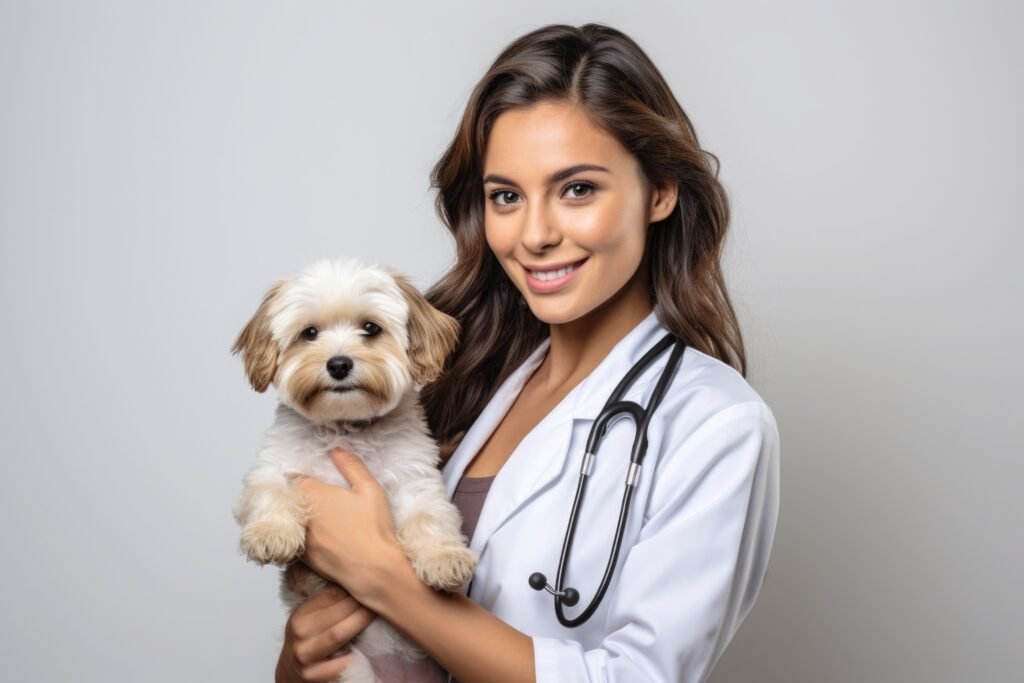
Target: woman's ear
(432,334)
(664,198)
(256,342)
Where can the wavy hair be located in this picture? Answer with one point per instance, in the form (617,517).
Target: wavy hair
(604,71)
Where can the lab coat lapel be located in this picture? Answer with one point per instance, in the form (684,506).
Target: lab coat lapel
(489,417)
(537,460)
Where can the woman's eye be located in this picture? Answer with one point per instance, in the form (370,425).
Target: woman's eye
(503,195)
(309,334)
(580,190)
(371,329)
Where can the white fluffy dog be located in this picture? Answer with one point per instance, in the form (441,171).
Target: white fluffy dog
(348,346)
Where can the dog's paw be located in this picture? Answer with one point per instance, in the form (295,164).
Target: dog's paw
(277,540)
(446,568)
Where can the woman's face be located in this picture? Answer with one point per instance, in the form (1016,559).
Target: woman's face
(559,191)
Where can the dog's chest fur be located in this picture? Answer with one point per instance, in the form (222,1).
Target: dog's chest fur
(394,449)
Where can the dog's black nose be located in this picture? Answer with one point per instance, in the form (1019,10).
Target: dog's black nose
(339,366)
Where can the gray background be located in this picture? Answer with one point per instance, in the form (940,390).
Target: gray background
(162,163)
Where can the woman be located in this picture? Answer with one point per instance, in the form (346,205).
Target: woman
(588,223)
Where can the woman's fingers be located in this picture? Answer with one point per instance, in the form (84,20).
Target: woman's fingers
(338,632)
(320,612)
(325,623)
(327,671)
(328,596)
(353,469)
(336,612)
(316,631)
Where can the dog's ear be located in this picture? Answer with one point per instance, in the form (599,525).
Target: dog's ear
(256,342)
(432,334)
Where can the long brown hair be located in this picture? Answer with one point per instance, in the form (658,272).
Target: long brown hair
(606,72)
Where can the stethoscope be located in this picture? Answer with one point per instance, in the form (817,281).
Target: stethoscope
(613,408)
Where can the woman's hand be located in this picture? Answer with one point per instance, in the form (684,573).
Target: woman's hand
(317,629)
(350,536)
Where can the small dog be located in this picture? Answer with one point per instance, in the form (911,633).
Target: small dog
(348,346)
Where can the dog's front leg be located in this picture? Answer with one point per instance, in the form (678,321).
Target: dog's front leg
(429,531)
(273,514)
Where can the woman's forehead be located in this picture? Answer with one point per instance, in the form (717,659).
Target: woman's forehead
(529,144)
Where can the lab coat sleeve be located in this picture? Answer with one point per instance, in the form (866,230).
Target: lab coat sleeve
(698,562)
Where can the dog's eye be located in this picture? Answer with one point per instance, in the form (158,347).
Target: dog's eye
(372,329)
(309,334)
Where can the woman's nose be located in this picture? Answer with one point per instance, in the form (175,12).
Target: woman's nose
(540,231)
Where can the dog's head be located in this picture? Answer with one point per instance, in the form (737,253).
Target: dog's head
(344,340)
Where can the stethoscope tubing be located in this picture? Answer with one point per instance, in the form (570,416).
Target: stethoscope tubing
(614,407)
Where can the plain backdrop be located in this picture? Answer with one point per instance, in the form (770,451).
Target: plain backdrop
(162,162)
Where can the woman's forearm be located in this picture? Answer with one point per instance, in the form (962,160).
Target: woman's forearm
(467,640)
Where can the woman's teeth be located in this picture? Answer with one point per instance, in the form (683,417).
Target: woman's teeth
(553,274)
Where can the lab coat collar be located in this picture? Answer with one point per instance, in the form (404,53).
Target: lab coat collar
(522,475)
(594,390)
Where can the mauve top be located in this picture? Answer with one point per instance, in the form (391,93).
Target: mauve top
(469,498)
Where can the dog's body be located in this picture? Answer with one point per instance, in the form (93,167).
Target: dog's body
(340,388)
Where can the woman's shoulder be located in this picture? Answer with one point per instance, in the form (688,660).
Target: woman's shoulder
(716,435)
(709,405)
(712,385)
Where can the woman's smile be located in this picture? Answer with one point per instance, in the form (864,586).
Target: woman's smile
(551,279)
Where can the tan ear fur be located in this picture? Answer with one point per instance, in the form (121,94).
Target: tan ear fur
(432,334)
(256,343)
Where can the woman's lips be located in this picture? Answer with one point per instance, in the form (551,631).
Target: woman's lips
(539,286)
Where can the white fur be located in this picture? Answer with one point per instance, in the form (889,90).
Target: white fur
(397,449)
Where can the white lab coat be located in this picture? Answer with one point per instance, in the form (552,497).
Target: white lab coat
(699,532)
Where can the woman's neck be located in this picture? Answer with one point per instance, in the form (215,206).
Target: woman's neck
(579,346)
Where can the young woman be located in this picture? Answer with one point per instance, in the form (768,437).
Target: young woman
(588,224)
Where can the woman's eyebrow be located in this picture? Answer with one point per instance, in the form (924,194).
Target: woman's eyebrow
(551,179)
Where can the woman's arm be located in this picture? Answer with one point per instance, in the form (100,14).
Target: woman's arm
(350,539)
(467,640)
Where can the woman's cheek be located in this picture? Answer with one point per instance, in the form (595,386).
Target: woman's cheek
(595,231)
(497,235)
